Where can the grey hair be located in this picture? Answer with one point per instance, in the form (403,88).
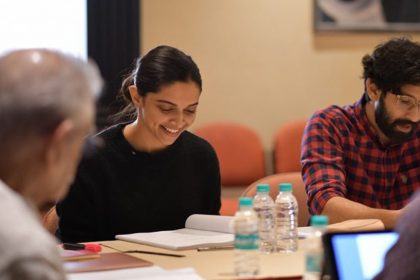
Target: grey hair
(39,89)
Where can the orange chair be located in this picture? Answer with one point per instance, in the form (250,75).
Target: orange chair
(239,149)
(240,153)
(287,146)
(229,206)
(299,192)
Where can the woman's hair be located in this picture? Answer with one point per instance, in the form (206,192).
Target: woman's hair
(160,67)
(393,64)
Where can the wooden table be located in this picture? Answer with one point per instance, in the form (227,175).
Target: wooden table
(218,264)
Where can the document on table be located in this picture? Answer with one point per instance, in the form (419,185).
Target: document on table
(199,231)
(152,273)
(349,225)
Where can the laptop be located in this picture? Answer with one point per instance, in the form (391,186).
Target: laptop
(356,255)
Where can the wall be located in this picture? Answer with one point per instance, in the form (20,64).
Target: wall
(261,62)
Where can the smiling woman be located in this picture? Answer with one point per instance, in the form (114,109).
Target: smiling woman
(152,173)
(162,116)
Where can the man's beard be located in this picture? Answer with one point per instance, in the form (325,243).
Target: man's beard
(389,127)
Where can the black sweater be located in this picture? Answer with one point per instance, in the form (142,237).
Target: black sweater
(119,190)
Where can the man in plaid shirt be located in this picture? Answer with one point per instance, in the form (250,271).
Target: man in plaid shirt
(363,160)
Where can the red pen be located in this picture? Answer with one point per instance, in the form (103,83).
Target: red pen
(93,247)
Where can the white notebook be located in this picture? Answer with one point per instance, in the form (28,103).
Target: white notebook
(199,231)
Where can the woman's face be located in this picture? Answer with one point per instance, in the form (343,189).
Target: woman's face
(164,115)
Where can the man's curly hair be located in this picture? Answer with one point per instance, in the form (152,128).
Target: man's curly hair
(393,64)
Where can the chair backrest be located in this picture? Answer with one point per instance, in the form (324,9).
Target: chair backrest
(229,206)
(287,146)
(239,149)
(50,220)
(295,178)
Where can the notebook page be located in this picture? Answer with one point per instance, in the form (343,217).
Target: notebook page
(210,223)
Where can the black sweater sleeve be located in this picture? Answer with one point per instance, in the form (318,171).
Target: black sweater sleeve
(213,203)
(77,212)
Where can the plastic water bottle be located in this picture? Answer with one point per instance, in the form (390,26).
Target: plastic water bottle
(286,210)
(264,207)
(314,253)
(245,225)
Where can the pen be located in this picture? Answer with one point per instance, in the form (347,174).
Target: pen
(145,252)
(154,253)
(93,247)
(202,249)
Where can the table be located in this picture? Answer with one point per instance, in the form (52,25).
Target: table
(217,265)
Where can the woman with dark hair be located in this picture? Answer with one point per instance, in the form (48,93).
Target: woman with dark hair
(151,173)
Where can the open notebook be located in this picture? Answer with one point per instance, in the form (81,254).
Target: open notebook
(199,231)
(356,255)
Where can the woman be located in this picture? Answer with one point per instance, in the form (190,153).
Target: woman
(151,173)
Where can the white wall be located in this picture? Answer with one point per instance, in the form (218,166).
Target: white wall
(53,24)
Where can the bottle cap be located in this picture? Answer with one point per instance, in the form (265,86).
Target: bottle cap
(285,187)
(319,220)
(265,188)
(93,247)
(245,201)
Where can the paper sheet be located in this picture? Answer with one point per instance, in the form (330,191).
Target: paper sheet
(152,273)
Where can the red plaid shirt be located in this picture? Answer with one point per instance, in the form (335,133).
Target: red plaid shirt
(342,156)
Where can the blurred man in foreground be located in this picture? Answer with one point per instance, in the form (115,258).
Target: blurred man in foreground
(46,110)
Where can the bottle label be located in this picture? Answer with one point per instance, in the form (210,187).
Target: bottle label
(313,263)
(246,241)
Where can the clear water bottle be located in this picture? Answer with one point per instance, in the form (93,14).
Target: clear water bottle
(245,225)
(286,211)
(264,207)
(314,253)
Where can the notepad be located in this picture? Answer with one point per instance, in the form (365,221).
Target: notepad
(105,261)
(346,226)
(357,225)
(199,231)
(75,255)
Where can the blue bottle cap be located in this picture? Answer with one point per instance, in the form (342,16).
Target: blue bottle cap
(319,220)
(265,188)
(285,187)
(245,201)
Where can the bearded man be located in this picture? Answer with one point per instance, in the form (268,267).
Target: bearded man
(363,160)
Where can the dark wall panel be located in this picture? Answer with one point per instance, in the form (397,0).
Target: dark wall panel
(113,42)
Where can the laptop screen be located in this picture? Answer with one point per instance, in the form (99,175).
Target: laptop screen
(358,255)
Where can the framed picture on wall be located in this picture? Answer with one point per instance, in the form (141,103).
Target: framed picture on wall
(367,15)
